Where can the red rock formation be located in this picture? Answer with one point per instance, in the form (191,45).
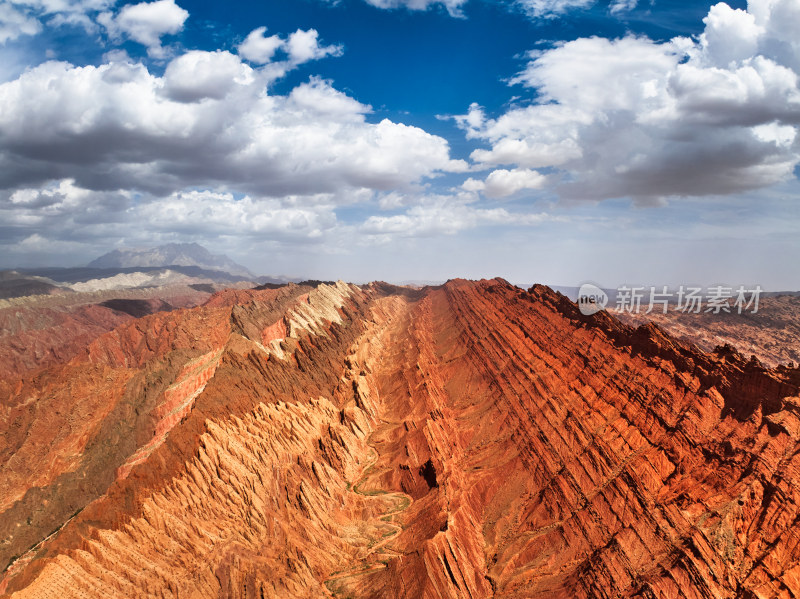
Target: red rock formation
(43,331)
(33,338)
(469,440)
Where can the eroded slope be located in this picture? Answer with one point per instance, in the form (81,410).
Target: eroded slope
(469,440)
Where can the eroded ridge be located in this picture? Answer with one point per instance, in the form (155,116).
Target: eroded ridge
(469,440)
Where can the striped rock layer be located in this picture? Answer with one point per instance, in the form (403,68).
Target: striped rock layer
(468,440)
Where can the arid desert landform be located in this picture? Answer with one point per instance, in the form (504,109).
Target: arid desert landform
(187,431)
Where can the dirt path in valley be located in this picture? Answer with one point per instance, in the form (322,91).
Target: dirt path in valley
(385,526)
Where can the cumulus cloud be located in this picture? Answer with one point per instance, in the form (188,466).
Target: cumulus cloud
(15,23)
(60,198)
(25,17)
(501,182)
(648,120)
(220,214)
(303,46)
(36,222)
(59,213)
(300,47)
(146,23)
(197,75)
(444,215)
(94,154)
(39,222)
(259,48)
(207,122)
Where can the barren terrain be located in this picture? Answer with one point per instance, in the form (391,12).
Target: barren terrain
(467,440)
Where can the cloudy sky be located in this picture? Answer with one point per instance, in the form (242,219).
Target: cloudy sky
(557,141)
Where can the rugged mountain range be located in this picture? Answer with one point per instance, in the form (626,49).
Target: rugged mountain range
(171,254)
(466,440)
(167,265)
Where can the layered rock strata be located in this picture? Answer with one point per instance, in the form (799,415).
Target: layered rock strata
(468,440)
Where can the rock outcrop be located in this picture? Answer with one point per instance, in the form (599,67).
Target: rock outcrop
(468,440)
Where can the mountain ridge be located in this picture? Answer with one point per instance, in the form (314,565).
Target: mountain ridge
(466,440)
(171,254)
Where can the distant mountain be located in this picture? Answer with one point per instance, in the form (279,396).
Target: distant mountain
(172,254)
(18,287)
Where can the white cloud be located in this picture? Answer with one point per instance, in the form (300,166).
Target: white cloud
(15,23)
(197,75)
(61,212)
(501,183)
(650,120)
(782,135)
(37,243)
(730,35)
(452,6)
(534,8)
(146,23)
(303,46)
(319,98)
(61,197)
(472,185)
(26,17)
(300,47)
(618,6)
(444,215)
(217,214)
(208,122)
(37,222)
(551,8)
(258,48)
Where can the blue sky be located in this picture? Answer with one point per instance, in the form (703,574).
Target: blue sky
(556,141)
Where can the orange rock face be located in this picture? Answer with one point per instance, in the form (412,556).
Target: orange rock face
(469,440)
